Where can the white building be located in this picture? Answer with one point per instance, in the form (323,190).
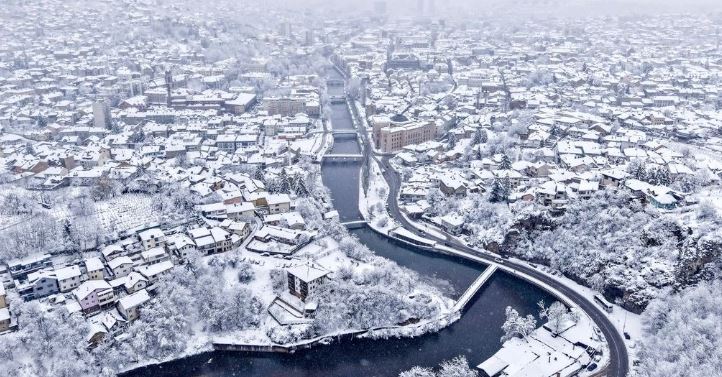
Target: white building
(68,278)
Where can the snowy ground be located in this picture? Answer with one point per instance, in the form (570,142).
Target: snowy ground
(121,213)
(325,253)
(372,204)
(544,354)
(623,320)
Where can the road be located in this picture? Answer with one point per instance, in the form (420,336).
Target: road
(619,359)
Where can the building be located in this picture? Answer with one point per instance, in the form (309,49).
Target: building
(135,282)
(211,240)
(304,279)
(94,269)
(152,238)
(286,106)
(128,305)
(392,134)
(111,252)
(241,104)
(3,296)
(121,266)
(101,115)
(39,284)
(180,245)
(5,320)
(94,295)
(69,278)
(20,268)
(154,271)
(154,255)
(403,61)
(278,203)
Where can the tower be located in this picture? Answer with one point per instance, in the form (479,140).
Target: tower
(168,84)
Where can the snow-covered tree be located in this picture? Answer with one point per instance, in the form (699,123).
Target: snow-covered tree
(505,163)
(557,316)
(682,333)
(456,367)
(517,326)
(499,191)
(436,200)
(451,140)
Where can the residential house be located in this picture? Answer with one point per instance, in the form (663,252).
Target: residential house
(39,284)
(5,320)
(278,203)
(180,245)
(452,186)
(94,295)
(134,282)
(154,271)
(152,238)
(240,210)
(239,228)
(111,252)
(612,178)
(20,268)
(94,269)
(68,278)
(121,266)
(304,279)
(211,240)
(452,223)
(587,188)
(154,255)
(128,306)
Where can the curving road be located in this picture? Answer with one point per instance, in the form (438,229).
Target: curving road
(619,359)
(618,365)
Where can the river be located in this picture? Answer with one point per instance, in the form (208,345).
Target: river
(476,335)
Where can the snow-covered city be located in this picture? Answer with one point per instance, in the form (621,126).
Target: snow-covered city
(412,188)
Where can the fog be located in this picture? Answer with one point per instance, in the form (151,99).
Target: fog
(475,8)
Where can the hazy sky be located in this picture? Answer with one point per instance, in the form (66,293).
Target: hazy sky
(470,7)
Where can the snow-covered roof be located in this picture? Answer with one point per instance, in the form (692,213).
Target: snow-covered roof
(134,300)
(308,272)
(89,287)
(93,264)
(67,273)
(155,269)
(117,262)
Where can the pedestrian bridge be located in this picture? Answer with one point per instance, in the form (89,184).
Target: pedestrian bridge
(355,224)
(337,99)
(474,287)
(345,134)
(334,82)
(342,157)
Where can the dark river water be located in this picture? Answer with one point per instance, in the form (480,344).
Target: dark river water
(476,335)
